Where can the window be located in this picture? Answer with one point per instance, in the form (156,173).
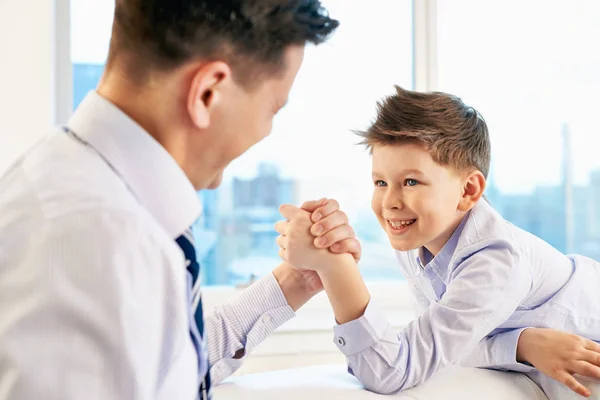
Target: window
(310,153)
(91,23)
(531,68)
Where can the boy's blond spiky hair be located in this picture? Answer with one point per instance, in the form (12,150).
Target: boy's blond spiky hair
(455,134)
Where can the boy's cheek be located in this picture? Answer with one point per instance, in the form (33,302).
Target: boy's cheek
(376,201)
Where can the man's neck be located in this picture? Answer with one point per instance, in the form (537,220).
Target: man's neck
(143,107)
(132,101)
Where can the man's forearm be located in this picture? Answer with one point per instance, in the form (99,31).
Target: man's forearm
(235,328)
(297,286)
(345,289)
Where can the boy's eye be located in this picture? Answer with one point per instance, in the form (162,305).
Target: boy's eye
(380,183)
(411,182)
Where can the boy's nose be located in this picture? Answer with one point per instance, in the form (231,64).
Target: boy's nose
(392,202)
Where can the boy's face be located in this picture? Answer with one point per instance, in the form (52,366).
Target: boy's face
(415,199)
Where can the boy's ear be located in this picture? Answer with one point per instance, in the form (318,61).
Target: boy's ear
(473,189)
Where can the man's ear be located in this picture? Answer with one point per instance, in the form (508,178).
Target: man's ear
(474,186)
(206,90)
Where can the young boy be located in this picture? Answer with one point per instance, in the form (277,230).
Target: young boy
(479,280)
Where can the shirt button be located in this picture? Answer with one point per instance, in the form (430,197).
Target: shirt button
(340,341)
(266,318)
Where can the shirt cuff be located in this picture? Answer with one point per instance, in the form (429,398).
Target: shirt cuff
(507,352)
(356,336)
(262,301)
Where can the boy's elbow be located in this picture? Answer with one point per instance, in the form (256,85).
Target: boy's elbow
(382,389)
(388,381)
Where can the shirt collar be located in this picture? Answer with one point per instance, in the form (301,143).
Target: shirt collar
(152,174)
(441,262)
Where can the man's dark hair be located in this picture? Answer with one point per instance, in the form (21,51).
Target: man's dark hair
(250,35)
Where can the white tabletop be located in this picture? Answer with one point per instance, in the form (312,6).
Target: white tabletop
(333,382)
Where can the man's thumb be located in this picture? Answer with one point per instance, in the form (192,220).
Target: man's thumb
(289,211)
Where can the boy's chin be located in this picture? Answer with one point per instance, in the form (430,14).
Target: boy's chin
(404,246)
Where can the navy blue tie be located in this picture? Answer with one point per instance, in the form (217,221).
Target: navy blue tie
(186,242)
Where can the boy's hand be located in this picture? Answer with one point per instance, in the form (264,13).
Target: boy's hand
(299,285)
(331,229)
(296,241)
(560,355)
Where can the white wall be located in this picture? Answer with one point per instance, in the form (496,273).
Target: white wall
(27,75)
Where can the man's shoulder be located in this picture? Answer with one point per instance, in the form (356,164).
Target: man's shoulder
(60,176)
(61,183)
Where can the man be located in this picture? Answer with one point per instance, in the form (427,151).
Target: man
(99,294)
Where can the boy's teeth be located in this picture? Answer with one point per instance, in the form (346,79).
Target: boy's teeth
(399,224)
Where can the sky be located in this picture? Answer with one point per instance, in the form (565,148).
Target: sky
(528,66)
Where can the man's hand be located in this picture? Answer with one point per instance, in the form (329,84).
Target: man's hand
(560,355)
(331,228)
(338,272)
(296,240)
(300,285)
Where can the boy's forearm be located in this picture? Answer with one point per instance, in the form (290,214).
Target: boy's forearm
(345,289)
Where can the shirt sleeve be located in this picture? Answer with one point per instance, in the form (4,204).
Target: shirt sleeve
(234,329)
(483,292)
(79,329)
(419,300)
(498,352)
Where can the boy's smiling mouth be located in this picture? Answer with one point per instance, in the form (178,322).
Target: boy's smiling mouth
(399,225)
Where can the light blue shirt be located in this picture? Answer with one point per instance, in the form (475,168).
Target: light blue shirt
(93,296)
(489,282)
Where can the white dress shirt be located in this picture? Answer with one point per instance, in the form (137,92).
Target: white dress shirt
(92,283)
(490,281)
